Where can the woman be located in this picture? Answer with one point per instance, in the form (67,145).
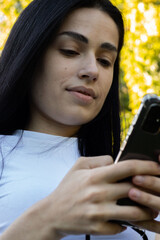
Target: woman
(59,103)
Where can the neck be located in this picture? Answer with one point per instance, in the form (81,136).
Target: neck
(40,123)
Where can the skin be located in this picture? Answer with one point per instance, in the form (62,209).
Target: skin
(88,208)
(92,205)
(149,198)
(70,62)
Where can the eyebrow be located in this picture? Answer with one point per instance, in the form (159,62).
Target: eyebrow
(109,47)
(77,36)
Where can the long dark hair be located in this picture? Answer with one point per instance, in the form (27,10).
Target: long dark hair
(27,41)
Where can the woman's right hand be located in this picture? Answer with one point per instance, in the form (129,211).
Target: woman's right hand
(85,202)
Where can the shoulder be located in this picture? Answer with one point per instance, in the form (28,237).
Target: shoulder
(7,144)
(8,140)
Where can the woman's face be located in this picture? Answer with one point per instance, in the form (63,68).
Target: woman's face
(75,74)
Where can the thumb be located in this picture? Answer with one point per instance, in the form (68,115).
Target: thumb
(93,162)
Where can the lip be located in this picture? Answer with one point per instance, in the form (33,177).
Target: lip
(83,90)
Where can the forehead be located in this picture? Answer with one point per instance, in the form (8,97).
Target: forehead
(93,23)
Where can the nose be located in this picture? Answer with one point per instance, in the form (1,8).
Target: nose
(89,70)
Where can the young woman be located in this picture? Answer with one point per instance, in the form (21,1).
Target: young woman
(59,126)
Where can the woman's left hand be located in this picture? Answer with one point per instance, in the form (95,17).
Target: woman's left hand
(149,197)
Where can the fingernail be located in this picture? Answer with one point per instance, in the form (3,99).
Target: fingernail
(135,193)
(139,179)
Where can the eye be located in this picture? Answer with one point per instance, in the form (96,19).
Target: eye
(104,62)
(69,52)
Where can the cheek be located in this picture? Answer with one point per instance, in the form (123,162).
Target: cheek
(39,96)
(62,73)
(105,86)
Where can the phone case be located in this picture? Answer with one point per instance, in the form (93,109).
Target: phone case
(143,138)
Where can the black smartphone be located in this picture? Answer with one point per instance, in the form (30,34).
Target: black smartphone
(143,138)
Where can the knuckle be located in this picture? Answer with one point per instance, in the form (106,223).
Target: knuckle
(95,194)
(91,213)
(91,177)
(80,162)
(94,213)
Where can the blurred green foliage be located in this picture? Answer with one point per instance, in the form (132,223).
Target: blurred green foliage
(140,57)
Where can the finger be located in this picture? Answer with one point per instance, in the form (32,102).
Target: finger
(151,225)
(93,162)
(145,199)
(111,211)
(131,213)
(108,192)
(128,168)
(133,167)
(118,191)
(148,182)
(106,228)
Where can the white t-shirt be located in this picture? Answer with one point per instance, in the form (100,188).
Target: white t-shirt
(33,167)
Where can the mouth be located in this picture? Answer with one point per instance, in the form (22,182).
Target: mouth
(83,90)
